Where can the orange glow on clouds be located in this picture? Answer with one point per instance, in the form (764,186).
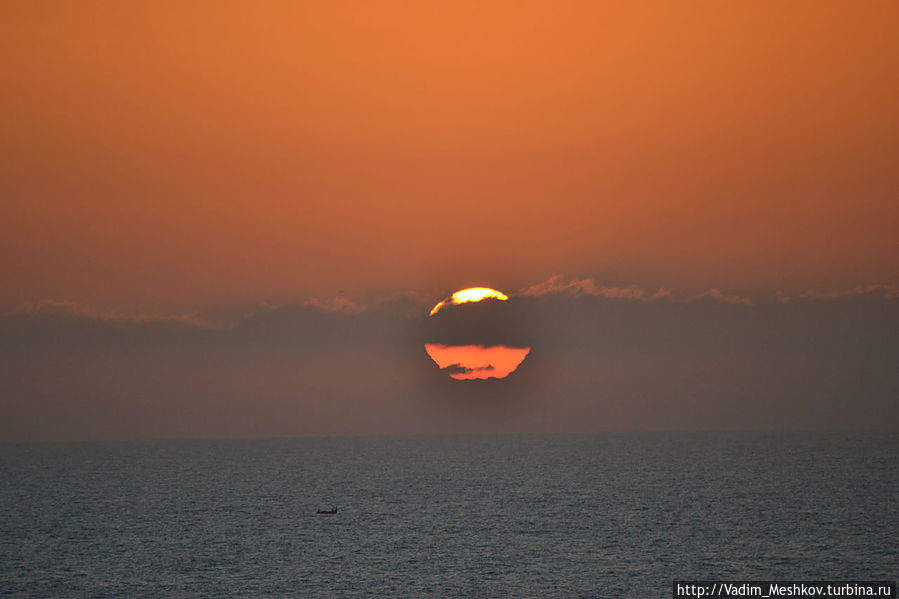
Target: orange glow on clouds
(472,294)
(476,361)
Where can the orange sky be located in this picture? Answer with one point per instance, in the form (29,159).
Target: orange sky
(172,154)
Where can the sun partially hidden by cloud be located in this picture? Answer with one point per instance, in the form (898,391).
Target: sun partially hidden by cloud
(478,359)
(472,294)
(466,362)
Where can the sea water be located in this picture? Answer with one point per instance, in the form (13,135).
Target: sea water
(606,515)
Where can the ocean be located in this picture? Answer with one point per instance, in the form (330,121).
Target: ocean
(599,515)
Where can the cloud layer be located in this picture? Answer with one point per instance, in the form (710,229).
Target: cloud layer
(602,359)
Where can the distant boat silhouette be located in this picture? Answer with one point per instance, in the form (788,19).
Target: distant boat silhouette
(333,511)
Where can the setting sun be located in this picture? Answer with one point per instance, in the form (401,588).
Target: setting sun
(466,362)
(475,361)
(472,294)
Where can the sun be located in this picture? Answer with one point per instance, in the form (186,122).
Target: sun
(467,362)
(475,361)
(472,294)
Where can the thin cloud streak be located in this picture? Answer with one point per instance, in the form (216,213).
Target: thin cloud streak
(558,285)
(718,296)
(335,304)
(885,291)
(50,307)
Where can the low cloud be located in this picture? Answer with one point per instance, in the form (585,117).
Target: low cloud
(335,304)
(557,285)
(889,292)
(64,308)
(600,360)
(718,296)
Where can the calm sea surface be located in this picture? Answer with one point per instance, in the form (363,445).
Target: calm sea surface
(480,516)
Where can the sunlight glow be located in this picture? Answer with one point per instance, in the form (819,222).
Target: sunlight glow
(472,294)
(466,362)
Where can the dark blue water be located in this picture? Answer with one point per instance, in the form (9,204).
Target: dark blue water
(518,516)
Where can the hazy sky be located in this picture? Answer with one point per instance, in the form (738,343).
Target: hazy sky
(222,218)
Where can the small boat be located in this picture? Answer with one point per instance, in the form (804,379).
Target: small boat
(333,511)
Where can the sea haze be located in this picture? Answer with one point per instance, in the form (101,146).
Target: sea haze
(610,515)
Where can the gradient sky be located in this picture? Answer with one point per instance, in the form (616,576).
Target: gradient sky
(230,219)
(172,154)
